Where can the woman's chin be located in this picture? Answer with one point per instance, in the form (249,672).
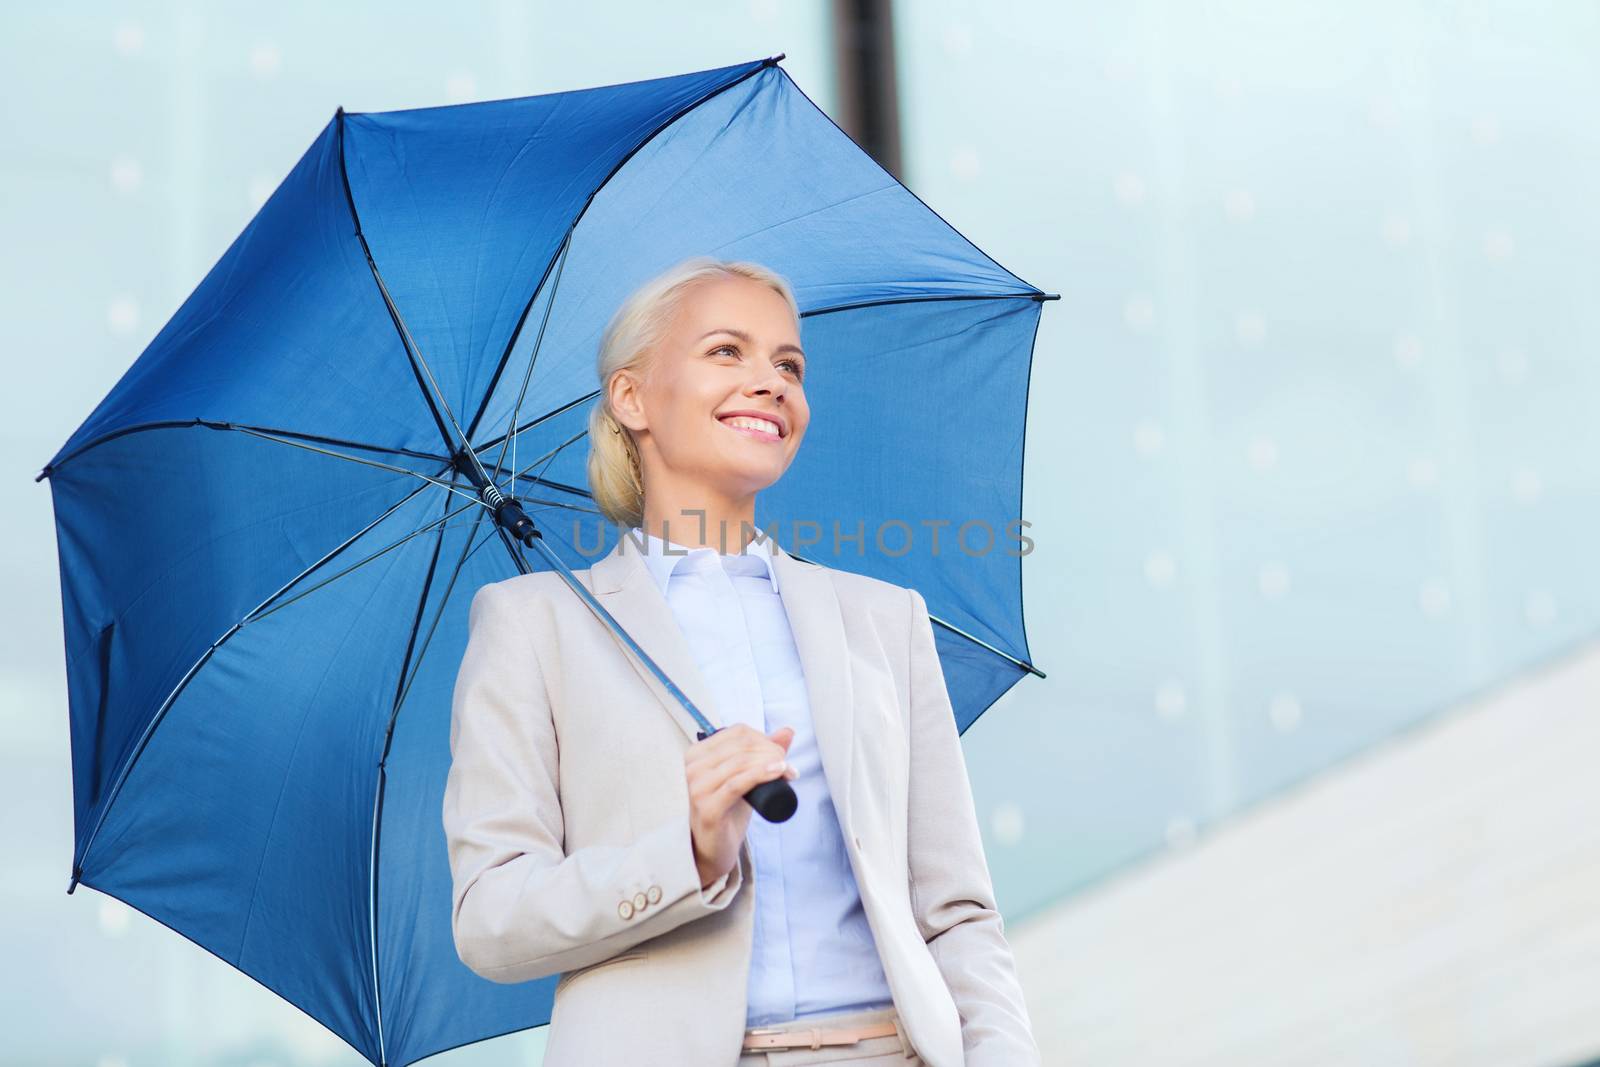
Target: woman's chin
(748,480)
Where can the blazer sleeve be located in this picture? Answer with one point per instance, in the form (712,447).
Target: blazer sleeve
(522,906)
(952,896)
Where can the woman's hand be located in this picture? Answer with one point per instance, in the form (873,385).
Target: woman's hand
(721,770)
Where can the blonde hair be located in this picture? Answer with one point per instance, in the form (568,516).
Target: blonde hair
(616,478)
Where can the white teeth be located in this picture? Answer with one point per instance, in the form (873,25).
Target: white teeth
(753,424)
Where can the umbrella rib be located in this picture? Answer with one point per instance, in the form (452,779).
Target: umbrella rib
(549,458)
(914,299)
(259,614)
(953,628)
(1033,343)
(568,406)
(365,462)
(468,550)
(213,424)
(372,905)
(466,554)
(549,305)
(927,298)
(382,779)
(441,483)
(183,683)
(921,298)
(540,501)
(540,479)
(419,366)
(505,357)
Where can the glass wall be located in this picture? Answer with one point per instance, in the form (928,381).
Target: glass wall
(1311,455)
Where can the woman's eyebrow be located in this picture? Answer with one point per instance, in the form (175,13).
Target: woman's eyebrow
(741,335)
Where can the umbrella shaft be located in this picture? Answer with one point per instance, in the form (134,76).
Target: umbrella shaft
(605,616)
(509,515)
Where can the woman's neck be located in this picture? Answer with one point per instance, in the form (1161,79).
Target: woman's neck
(701,522)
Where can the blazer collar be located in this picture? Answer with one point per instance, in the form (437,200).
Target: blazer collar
(622,583)
(662,558)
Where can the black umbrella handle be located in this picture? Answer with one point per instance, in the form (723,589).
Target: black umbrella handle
(774,800)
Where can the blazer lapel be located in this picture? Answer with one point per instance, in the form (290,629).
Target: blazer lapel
(624,587)
(812,604)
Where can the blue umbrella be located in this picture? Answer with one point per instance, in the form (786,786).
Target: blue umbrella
(271,528)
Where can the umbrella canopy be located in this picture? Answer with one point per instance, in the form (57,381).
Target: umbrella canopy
(268,544)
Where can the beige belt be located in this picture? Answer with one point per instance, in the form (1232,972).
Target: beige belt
(814,1037)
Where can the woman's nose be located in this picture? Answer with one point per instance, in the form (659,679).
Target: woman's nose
(771,382)
(764,387)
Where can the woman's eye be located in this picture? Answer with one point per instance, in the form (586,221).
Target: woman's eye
(793,364)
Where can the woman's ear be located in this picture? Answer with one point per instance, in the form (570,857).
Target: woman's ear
(626,406)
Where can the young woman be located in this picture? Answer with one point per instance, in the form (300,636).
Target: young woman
(591,834)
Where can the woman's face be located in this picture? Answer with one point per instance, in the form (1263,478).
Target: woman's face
(733,347)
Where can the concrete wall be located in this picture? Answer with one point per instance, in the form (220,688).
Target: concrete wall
(1434,901)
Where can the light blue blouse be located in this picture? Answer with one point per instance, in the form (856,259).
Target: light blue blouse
(813,951)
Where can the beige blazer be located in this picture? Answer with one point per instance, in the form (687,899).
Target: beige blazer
(566,813)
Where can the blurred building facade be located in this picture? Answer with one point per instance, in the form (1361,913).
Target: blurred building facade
(1313,481)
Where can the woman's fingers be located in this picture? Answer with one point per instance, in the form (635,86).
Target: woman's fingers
(764,752)
(766,756)
(723,773)
(747,777)
(730,780)
(721,769)
(718,752)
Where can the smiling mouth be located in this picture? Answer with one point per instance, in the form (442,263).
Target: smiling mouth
(753,428)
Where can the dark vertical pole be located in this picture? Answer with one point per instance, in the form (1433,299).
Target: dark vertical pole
(868,101)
